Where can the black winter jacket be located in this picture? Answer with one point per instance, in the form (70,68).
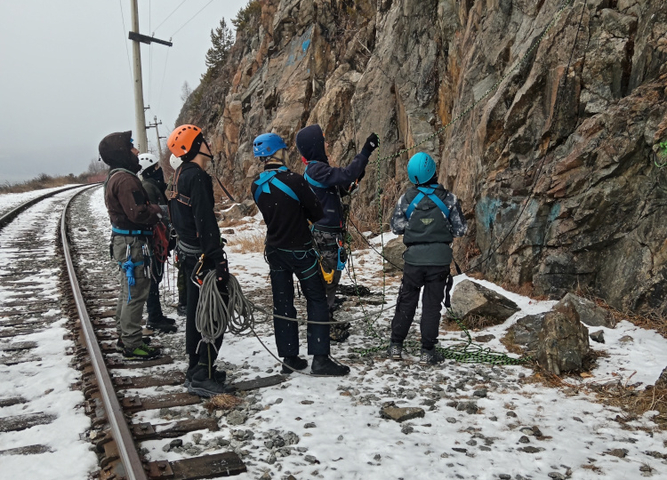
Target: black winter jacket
(196,224)
(286,220)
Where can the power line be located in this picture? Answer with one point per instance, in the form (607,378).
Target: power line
(168,16)
(122,16)
(173,34)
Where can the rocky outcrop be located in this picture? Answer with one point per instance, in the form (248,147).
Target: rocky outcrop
(551,149)
(472,300)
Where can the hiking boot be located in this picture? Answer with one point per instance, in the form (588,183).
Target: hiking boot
(338,333)
(218,375)
(394,351)
(296,363)
(182,310)
(142,352)
(430,357)
(203,386)
(162,324)
(120,346)
(324,365)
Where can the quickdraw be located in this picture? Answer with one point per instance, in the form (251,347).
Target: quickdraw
(128,267)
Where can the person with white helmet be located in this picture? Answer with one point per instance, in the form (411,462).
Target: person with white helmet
(181,281)
(153,182)
(428,217)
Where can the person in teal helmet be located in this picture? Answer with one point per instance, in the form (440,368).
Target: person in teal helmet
(429,218)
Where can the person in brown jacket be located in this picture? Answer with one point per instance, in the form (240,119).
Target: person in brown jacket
(132,218)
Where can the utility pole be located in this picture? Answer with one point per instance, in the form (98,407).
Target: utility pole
(137,38)
(157,134)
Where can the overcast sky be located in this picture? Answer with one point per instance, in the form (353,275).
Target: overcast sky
(66,78)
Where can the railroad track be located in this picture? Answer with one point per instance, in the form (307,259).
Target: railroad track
(138,410)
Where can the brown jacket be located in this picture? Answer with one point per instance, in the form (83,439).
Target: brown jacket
(127,202)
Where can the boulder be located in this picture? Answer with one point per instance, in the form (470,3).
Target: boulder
(470,300)
(562,342)
(246,208)
(526,332)
(588,312)
(393,253)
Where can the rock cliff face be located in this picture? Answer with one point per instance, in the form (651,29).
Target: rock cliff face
(544,118)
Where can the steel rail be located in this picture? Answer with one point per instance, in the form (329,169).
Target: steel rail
(12,214)
(119,429)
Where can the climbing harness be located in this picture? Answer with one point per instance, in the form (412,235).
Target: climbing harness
(174,194)
(131,233)
(267,178)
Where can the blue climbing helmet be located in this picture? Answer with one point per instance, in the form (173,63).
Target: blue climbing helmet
(267,144)
(421,168)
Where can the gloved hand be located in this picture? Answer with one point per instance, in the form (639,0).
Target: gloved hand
(222,275)
(371,144)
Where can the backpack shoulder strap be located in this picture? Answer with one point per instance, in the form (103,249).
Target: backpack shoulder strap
(427,192)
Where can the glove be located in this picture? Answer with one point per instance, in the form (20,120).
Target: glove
(371,144)
(222,275)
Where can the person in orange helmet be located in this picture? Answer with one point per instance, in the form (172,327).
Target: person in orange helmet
(193,217)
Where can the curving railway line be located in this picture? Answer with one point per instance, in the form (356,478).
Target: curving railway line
(128,405)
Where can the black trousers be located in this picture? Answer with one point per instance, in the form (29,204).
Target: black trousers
(284,264)
(433,280)
(153,306)
(207,354)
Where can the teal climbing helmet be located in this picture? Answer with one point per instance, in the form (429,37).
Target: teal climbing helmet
(267,144)
(421,168)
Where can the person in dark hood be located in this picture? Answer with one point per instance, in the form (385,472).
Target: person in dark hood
(132,218)
(330,184)
(155,186)
(288,205)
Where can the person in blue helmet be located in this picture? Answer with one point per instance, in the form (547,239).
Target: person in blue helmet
(330,184)
(288,205)
(429,218)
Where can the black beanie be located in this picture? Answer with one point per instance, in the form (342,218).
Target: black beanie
(116,151)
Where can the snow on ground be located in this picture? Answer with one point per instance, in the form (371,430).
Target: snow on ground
(480,421)
(9,201)
(45,381)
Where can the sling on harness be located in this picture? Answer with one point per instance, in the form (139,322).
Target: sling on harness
(268,178)
(427,192)
(128,268)
(310,180)
(174,194)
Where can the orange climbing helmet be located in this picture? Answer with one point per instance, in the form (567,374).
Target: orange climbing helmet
(185,142)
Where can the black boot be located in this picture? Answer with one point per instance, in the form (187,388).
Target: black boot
(218,375)
(204,382)
(162,324)
(324,365)
(296,363)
